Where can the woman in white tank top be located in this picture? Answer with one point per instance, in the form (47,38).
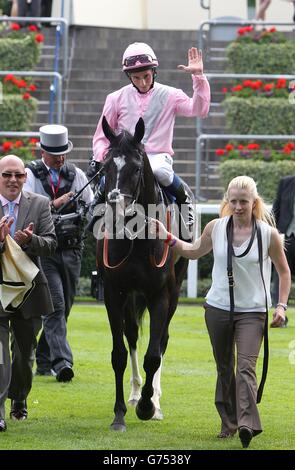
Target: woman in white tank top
(238,325)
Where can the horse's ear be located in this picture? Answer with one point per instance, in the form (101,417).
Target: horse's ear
(139,130)
(108,132)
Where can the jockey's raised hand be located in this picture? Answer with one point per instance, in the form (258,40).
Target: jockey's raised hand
(195,62)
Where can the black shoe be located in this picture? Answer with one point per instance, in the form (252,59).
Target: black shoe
(65,374)
(3,426)
(18,410)
(245,435)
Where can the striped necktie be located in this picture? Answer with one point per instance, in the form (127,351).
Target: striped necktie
(11,206)
(54,176)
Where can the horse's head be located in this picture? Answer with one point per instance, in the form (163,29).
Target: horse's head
(123,164)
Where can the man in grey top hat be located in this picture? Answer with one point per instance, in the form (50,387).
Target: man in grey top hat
(54,177)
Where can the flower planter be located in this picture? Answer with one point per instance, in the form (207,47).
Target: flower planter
(259,115)
(17,112)
(266,175)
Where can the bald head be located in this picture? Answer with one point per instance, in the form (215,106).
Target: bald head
(11,160)
(12,176)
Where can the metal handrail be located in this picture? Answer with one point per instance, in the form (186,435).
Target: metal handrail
(203,137)
(57,80)
(34,19)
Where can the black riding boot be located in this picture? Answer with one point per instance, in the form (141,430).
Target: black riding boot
(185,204)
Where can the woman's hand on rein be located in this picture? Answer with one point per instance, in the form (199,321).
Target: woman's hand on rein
(278,317)
(157,228)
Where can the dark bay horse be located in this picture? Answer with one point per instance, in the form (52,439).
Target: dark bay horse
(138,273)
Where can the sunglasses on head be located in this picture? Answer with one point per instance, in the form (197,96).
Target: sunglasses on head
(142,59)
(8,174)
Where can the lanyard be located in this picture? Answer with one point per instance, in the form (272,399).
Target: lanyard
(54,188)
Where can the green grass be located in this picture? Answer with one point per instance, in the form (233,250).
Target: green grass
(77,415)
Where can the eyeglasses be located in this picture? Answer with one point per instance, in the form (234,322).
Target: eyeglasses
(142,59)
(7,175)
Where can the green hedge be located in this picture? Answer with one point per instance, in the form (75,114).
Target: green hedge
(259,115)
(261,58)
(19,54)
(266,174)
(17,114)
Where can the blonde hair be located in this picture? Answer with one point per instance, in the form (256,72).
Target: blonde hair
(247,183)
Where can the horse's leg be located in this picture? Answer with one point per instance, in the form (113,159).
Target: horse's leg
(114,302)
(158,308)
(174,294)
(131,327)
(158,415)
(136,379)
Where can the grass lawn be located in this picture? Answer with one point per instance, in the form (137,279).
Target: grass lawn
(77,415)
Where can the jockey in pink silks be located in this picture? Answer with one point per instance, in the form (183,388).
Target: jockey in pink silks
(158,105)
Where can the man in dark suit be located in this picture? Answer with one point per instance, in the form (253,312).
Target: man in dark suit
(284,213)
(26,217)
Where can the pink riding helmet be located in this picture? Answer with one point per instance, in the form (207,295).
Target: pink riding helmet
(138,55)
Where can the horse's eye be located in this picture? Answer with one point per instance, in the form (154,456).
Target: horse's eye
(137,170)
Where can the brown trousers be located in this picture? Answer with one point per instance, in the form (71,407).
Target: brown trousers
(239,407)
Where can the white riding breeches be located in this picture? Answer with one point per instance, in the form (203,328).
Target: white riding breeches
(162,167)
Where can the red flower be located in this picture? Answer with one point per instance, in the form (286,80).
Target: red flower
(268,87)
(248,83)
(224,90)
(9,78)
(33,28)
(253,146)
(32,87)
(281,83)
(7,145)
(39,38)
(26,96)
(22,84)
(15,26)
(229,147)
(18,143)
(33,141)
(237,88)
(219,152)
(257,84)
(272,30)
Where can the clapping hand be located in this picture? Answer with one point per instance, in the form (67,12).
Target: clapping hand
(23,237)
(195,62)
(5,224)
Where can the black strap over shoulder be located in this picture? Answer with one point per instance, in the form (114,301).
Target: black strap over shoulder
(40,171)
(230,253)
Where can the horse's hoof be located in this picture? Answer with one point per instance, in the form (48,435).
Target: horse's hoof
(145,413)
(118,427)
(132,402)
(158,415)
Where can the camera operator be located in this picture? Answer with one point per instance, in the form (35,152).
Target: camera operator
(54,177)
